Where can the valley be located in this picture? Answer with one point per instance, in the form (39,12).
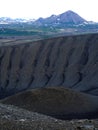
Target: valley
(58,76)
(49,73)
(67,23)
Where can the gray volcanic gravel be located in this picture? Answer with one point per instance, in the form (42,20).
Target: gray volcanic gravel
(14,118)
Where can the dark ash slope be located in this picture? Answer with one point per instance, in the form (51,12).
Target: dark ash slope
(70,61)
(57,102)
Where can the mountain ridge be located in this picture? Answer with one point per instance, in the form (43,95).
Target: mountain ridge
(66,17)
(68,61)
(56,25)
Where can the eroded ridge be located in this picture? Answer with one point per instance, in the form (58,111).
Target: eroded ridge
(70,61)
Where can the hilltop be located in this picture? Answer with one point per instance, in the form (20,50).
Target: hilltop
(57,102)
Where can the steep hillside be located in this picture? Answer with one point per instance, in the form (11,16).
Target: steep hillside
(70,61)
(57,102)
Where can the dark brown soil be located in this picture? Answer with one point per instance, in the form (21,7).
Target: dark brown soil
(56,102)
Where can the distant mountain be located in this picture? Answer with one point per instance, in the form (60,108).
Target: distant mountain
(68,17)
(7,20)
(63,24)
(71,17)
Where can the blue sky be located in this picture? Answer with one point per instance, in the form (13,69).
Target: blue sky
(88,9)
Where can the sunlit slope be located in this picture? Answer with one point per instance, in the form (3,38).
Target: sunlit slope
(70,61)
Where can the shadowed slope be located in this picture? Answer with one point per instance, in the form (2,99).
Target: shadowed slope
(70,61)
(57,102)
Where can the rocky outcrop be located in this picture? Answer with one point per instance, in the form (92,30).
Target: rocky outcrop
(70,61)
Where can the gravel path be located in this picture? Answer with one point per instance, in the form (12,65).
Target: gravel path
(14,118)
